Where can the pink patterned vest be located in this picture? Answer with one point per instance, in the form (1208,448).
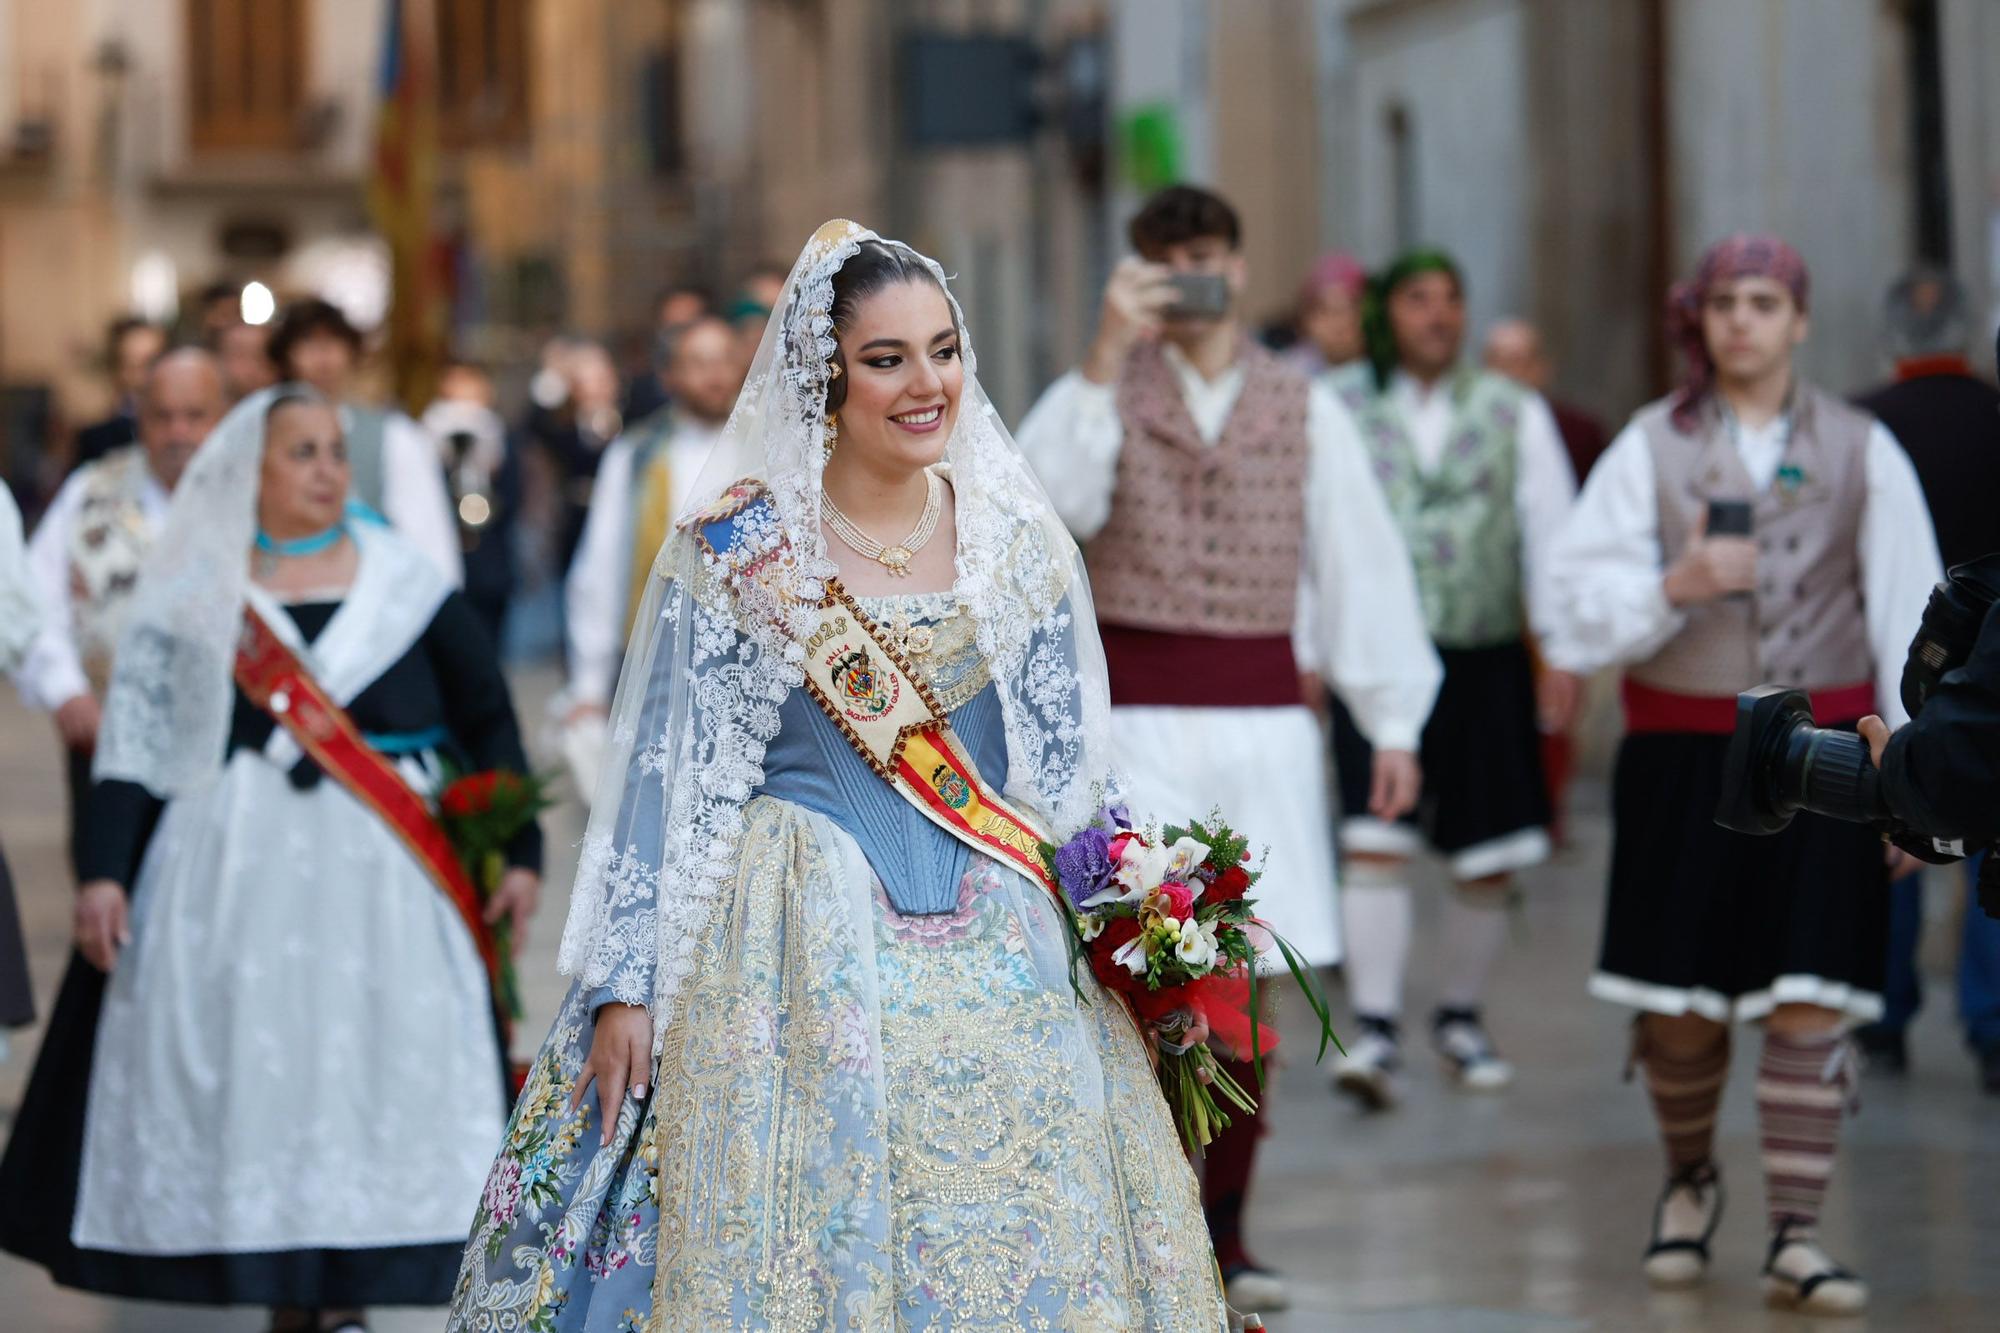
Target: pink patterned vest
(1205,539)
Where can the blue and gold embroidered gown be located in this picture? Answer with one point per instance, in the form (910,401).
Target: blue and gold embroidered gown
(882,1106)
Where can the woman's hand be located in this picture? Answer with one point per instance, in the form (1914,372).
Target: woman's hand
(102,924)
(621,1051)
(519,892)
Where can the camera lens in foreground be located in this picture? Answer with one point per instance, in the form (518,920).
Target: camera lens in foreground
(1780,763)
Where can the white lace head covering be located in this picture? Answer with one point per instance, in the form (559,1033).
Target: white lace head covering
(714,653)
(167,712)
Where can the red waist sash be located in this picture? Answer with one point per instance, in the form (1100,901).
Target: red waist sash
(1649,708)
(274,679)
(1160,667)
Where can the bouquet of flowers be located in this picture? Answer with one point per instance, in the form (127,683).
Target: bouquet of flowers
(481,813)
(1163,920)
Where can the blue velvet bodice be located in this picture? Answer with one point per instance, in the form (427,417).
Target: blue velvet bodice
(810,764)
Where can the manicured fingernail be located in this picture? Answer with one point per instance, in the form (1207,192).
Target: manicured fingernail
(638,1091)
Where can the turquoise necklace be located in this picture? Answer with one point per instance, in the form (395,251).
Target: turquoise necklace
(312,545)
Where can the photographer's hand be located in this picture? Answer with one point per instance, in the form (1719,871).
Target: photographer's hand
(1876,732)
(1710,567)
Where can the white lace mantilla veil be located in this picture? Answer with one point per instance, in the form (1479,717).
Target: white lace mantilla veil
(173,688)
(680,762)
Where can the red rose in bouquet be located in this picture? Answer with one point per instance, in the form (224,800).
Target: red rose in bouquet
(1229,886)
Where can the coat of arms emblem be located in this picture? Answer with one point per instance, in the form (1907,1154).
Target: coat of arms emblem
(866,693)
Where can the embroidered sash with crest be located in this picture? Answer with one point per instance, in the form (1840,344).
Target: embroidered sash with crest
(876,697)
(887,712)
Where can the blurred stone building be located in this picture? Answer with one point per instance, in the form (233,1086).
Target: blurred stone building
(1575,153)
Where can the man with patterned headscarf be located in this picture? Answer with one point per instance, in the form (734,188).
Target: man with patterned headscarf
(1328,317)
(1476,474)
(1817,581)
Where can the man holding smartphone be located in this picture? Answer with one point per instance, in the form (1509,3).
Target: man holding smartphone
(1705,927)
(1234,537)
(1479,481)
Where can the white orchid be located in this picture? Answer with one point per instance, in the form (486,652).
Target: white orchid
(1139,871)
(1089,925)
(1197,947)
(1182,858)
(1132,955)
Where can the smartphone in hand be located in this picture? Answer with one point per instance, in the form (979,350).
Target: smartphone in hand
(1199,296)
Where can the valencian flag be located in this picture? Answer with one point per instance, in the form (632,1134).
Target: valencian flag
(402,194)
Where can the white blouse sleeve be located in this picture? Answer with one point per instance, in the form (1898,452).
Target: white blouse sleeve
(1899,565)
(1071,437)
(1544,491)
(596,588)
(52,672)
(1605,567)
(414,498)
(20,613)
(1372,645)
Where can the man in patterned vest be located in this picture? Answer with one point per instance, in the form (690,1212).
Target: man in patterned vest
(1233,537)
(1476,475)
(646,475)
(91,544)
(1706,927)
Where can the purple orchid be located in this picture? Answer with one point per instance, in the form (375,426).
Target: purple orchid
(1084,864)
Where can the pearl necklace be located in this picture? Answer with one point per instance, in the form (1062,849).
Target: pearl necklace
(895,558)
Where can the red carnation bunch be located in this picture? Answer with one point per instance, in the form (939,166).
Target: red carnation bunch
(482,813)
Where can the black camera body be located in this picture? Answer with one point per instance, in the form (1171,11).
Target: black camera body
(1780,763)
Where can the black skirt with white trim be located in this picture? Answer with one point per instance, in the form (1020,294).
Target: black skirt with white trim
(1729,926)
(1481,754)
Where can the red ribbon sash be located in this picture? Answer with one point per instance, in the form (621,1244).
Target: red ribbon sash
(274,679)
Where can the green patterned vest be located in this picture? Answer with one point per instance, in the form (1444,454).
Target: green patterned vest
(1458,519)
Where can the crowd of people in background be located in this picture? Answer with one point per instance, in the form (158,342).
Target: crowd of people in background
(1380,548)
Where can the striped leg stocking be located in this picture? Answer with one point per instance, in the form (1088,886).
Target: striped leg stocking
(1801,1091)
(1686,1092)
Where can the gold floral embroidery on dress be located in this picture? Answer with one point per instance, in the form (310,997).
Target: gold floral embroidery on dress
(861,1121)
(941,639)
(767,1122)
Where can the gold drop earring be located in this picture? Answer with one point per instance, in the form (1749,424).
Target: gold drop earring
(833,372)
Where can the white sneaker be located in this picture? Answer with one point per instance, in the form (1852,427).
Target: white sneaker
(1366,1072)
(1460,1038)
(1684,1222)
(1801,1276)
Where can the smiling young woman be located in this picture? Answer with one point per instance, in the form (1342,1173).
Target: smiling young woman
(823,1064)
(892,400)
